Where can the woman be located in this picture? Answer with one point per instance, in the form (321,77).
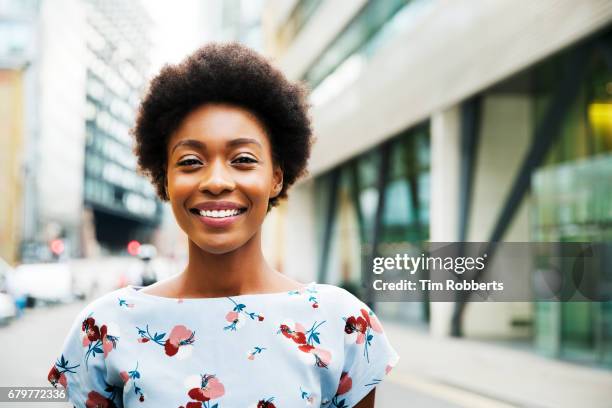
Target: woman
(223,135)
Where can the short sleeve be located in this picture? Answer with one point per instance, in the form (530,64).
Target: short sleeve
(368,355)
(80,367)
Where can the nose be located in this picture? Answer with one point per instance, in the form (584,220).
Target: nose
(217,179)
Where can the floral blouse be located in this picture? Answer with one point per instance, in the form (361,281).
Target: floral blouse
(316,346)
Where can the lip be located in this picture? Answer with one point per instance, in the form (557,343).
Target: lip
(218,205)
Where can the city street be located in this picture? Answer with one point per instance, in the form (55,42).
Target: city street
(448,164)
(31,344)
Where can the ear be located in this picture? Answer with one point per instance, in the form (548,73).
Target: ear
(277,181)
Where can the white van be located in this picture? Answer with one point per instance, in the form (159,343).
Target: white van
(44,282)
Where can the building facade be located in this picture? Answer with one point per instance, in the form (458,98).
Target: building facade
(120,205)
(72,74)
(448,121)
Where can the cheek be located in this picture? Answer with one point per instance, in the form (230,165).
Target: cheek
(257,188)
(179,189)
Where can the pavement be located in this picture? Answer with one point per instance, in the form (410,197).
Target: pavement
(471,373)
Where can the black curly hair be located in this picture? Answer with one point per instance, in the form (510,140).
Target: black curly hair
(224,73)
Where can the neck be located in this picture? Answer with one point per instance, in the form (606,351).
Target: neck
(243,270)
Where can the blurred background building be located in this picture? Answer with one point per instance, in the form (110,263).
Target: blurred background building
(120,205)
(452,121)
(73,72)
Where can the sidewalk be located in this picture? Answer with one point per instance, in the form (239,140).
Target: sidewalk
(472,373)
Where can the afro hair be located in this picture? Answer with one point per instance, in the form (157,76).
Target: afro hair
(231,74)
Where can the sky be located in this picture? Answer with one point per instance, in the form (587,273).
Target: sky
(179,29)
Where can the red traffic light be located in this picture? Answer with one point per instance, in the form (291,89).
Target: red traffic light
(133,247)
(57,246)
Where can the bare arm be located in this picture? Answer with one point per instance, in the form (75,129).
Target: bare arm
(367,401)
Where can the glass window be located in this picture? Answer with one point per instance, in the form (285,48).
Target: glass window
(14,37)
(301,13)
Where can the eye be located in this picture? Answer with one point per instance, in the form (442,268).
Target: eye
(189,162)
(244,160)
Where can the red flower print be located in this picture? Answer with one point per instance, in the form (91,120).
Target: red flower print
(372,321)
(130,379)
(179,336)
(95,400)
(322,357)
(307,339)
(56,374)
(354,324)
(55,377)
(266,403)
(237,316)
(297,335)
(309,291)
(98,340)
(108,342)
(345,385)
(208,389)
(92,332)
(306,348)
(362,327)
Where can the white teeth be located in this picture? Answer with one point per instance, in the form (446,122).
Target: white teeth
(219,213)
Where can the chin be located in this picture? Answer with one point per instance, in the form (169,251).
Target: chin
(218,247)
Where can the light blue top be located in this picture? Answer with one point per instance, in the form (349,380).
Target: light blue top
(316,346)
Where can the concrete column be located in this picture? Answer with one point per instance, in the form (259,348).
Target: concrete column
(505,136)
(444,210)
(289,238)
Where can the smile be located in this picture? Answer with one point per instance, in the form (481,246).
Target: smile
(218,217)
(218,213)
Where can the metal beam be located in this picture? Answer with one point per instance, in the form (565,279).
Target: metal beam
(330,217)
(381,185)
(354,191)
(470,130)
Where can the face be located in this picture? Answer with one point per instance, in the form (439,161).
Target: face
(220,176)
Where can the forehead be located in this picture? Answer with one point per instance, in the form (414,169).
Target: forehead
(219,123)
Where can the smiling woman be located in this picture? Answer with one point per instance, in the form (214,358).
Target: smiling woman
(221,177)
(223,136)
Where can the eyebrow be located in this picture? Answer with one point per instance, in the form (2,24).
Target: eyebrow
(190,143)
(199,145)
(243,140)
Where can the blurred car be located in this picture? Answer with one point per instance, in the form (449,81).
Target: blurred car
(8,309)
(5,268)
(43,283)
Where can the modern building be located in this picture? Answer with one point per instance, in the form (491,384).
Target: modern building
(41,45)
(448,121)
(119,203)
(72,74)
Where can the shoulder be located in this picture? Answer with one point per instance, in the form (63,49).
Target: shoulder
(339,300)
(106,305)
